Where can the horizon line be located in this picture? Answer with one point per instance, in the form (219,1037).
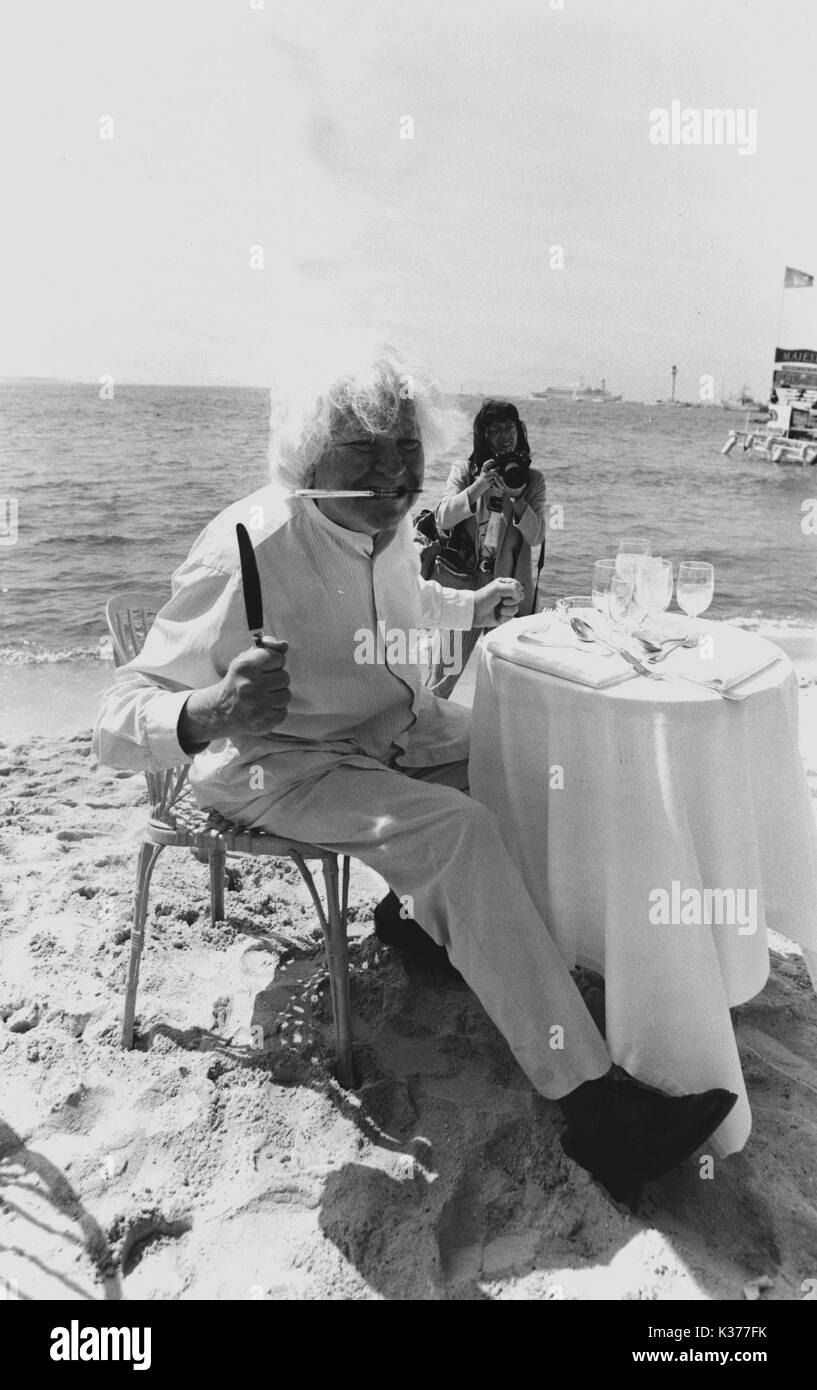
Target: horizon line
(245,386)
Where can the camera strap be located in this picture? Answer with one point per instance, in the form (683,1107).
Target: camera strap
(539,563)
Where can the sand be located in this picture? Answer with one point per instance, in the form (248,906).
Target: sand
(198,1166)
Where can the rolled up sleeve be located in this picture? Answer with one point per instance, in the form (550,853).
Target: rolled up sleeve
(455,504)
(449,608)
(137,726)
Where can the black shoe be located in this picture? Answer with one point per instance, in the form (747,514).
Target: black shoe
(407,935)
(591,988)
(626,1134)
(594,1001)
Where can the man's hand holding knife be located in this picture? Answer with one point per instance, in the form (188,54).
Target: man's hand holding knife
(253,694)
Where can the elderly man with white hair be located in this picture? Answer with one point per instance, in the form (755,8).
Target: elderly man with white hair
(308,738)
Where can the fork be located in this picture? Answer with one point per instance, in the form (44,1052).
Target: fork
(716,686)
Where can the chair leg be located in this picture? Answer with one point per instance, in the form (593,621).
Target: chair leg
(337,957)
(344,901)
(338,961)
(218,868)
(148,854)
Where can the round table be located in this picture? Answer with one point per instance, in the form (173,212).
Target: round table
(631,812)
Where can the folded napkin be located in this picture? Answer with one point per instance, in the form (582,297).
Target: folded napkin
(547,644)
(726,653)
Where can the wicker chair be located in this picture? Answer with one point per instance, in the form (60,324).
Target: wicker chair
(177,822)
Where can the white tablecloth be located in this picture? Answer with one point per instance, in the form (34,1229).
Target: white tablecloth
(663,784)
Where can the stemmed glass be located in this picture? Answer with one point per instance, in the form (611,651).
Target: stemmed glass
(653,584)
(603,572)
(624,605)
(696,587)
(631,548)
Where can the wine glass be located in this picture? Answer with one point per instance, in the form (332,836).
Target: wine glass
(696,586)
(653,584)
(603,571)
(624,607)
(631,548)
(665,584)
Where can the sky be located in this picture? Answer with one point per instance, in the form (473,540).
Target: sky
(276,124)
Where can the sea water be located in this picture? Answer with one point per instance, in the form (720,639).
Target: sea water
(111,493)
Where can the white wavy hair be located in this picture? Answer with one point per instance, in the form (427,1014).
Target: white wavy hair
(303,426)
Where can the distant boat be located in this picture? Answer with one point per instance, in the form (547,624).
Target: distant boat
(788,432)
(744,401)
(789,435)
(590,395)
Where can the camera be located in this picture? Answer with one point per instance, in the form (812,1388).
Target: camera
(513,469)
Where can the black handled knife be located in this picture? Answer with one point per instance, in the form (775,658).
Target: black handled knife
(251,584)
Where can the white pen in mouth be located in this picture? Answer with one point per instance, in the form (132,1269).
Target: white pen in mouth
(375,492)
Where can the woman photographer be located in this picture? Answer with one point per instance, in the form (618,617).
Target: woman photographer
(494,511)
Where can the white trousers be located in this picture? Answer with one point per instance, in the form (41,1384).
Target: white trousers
(436,847)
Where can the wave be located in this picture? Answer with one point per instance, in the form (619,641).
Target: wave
(29,655)
(90,538)
(765,624)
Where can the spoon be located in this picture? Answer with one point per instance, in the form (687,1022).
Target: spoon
(659,646)
(586,633)
(685,642)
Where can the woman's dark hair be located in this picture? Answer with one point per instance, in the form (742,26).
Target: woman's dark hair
(489,413)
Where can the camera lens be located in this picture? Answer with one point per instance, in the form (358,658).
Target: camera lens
(513,470)
(514,475)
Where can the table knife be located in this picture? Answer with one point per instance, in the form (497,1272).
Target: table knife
(251,584)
